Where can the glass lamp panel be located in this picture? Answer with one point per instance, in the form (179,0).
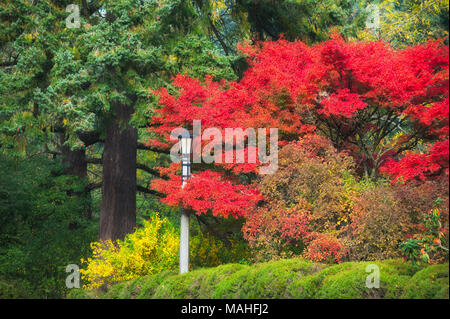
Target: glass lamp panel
(183,145)
(186,144)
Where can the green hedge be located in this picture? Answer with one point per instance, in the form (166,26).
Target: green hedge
(431,282)
(289,278)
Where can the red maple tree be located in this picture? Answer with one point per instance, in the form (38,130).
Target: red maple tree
(378,104)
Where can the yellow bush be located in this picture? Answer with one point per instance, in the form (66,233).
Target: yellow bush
(205,250)
(149,250)
(152,249)
(208,251)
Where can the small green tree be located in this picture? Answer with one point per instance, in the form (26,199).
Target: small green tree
(432,244)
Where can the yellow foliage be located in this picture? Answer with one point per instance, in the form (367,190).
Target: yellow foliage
(152,249)
(408,22)
(149,250)
(208,251)
(218,6)
(31,36)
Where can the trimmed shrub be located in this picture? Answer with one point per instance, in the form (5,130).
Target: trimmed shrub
(147,286)
(207,284)
(349,282)
(201,283)
(429,283)
(265,280)
(287,278)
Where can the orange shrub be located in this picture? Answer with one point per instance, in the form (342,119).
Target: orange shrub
(325,248)
(309,192)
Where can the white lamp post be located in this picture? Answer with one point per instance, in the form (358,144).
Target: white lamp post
(185,142)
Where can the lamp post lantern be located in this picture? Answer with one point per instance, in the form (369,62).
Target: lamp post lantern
(185,142)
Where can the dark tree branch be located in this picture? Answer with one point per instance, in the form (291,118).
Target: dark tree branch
(148,169)
(85,9)
(94,173)
(142,146)
(148,191)
(7,63)
(89,138)
(218,36)
(93,186)
(143,167)
(94,161)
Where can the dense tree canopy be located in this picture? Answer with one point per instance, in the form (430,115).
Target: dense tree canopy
(387,109)
(354,95)
(374,102)
(76,89)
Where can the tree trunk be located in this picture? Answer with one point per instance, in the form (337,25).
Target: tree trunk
(74,162)
(118,211)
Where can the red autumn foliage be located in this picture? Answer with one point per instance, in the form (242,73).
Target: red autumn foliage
(368,99)
(325,248)
(208,191)
(289,224)
(342,104)
(419,166)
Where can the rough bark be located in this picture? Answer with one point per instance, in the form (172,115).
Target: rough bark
(118,211)
(74,162)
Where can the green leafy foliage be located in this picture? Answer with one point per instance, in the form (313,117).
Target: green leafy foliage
(431,244)
(57,83)
(309,21)
(42,228)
